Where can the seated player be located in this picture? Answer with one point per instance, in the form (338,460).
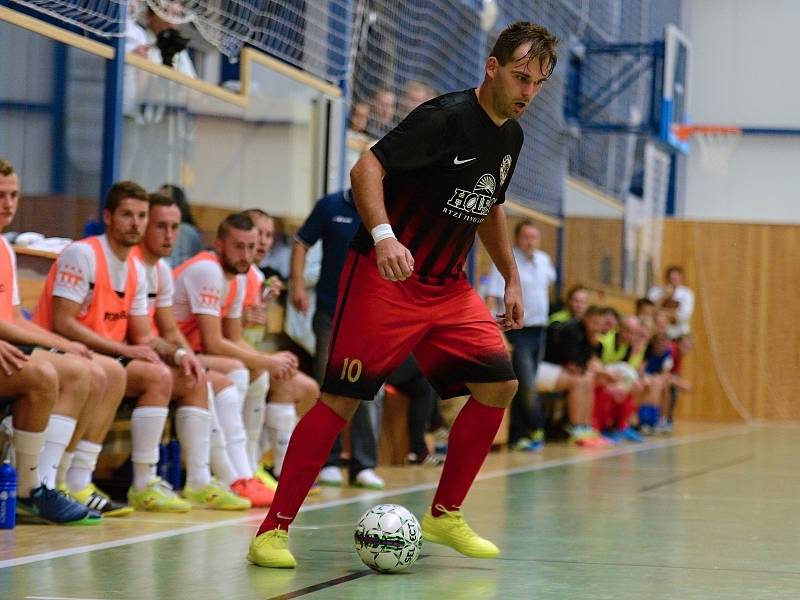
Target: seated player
(209,294)
(288,398)
(192,418)
(96,294)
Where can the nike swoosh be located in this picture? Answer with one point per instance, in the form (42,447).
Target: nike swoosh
(280,516)
(461,162)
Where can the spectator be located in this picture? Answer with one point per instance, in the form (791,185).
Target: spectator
(575,307)
(278,259)
(414,94)
(167,45)
(335,221)
(646,312)
(570,362)
(190,242)
(657,367)
(679,349)
(382,113)
(359,118)
(536,273)
(674,290)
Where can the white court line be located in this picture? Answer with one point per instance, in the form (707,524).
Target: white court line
(58,598)
(548,464)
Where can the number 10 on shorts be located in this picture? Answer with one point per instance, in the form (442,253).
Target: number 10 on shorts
(351,370)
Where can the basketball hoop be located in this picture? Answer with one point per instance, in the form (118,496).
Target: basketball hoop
(715,143)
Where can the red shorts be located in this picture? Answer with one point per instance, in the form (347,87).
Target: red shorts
(378,323)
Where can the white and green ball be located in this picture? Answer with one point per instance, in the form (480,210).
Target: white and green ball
(388,538)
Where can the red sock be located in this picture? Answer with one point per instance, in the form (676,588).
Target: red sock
(309,446)
(470,440)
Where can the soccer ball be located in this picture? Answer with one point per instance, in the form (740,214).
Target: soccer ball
(388,538)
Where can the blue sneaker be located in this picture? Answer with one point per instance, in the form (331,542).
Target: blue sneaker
(630,434)
(54,507)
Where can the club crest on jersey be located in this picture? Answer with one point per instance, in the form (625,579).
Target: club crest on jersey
(505,167)
(472,206)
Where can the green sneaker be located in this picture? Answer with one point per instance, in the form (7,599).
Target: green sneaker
(450,529)
(271,549)
(158,496)
(216,496)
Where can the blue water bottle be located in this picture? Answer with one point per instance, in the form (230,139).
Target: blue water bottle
(8,496)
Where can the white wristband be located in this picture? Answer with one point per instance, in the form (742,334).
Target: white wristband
(382,232)
(179,354)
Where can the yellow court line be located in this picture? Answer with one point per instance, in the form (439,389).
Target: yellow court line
(56,33)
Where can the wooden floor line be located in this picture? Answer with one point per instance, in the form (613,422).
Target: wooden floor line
(547,464)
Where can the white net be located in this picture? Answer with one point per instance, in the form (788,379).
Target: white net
(715,149)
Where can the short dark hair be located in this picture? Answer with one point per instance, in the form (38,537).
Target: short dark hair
(177,193)
(643,302)
(121,190)
(543,44)
(156,199)
(239,221)
(596,311)
(575,289)
(524,223)
(6,168)
(673,268)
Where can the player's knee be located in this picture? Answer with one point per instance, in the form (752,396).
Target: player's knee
(505,391)
(307,386)
(41,376)
(98,379)
(159,379)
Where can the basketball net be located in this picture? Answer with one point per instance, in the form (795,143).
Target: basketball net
(716,144)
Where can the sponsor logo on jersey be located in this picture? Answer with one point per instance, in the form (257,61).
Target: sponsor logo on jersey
(115,316)
(70,276)
(472,206)
(505,167)
(342,219)
(209,297)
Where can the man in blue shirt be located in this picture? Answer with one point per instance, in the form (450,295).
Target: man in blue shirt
(335,221)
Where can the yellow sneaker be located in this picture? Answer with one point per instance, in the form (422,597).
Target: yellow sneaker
(450,529)
(99,501)
(266,478)
(271,549)
(216,496)
(157,496)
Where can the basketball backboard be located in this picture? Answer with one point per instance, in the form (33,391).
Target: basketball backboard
(677,62)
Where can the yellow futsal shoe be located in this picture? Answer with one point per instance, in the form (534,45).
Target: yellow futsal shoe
(265,477)
(271,549)
(450,529)
(99,501)
(216,496)
(158,496)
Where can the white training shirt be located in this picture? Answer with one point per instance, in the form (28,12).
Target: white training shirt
(160,286)
(201,289)
(535,277)
(78,259)
(14,283)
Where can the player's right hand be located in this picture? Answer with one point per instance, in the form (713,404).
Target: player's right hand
(12,359)
(300,298)
(142,352)
(282,365)
(78,348)
(395,262)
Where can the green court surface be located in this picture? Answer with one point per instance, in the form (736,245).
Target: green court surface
(704,516)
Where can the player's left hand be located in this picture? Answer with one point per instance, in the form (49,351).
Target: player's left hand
(77,348)
(515,313)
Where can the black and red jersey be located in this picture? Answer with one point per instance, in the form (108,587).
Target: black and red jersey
(446,165)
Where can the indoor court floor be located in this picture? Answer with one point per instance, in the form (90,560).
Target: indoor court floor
(710,512)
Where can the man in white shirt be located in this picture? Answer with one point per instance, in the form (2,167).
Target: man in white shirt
(674,291)
(536,273)
(192,418)
(96,294)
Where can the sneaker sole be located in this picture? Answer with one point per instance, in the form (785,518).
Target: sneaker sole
(88,520)
(119,512)
(429,537)
(280,566)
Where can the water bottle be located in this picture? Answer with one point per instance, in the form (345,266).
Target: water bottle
(8,496)
(174,471)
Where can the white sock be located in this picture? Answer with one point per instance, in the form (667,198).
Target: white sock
(281,419)
(63,467)
(221,465)
(27,448)
(192,429)
(57,436)
(147,427)
(253,413)
(241,379)
(228,407)
(84,461)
